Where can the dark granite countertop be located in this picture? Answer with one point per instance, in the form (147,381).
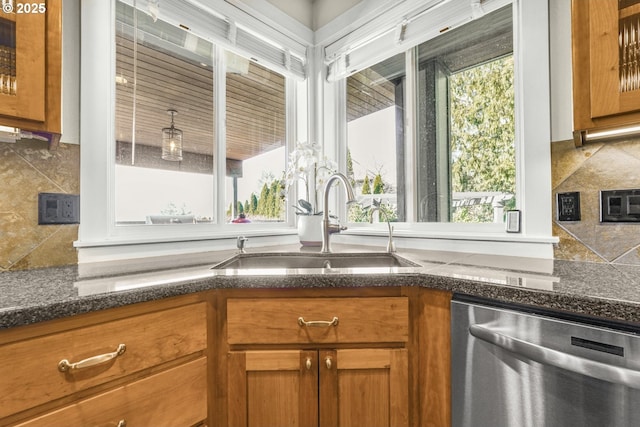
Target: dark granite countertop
(596,289)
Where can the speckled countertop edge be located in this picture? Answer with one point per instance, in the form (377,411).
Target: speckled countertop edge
(602,290)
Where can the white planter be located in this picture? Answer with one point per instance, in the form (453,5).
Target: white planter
(310,230)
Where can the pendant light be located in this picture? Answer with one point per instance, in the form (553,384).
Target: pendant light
(172,141)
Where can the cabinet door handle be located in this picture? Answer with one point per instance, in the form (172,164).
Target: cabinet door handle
(122,423)
(332,322)
(327,361)
(64,365)
(307,364)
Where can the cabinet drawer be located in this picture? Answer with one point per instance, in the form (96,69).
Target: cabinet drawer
(30,368)
(177,397)
(276,320)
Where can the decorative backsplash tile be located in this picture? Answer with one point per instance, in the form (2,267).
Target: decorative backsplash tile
(589,169)
(26,169)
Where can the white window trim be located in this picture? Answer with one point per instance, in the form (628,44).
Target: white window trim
(326,123)
(97,229)
(533,158)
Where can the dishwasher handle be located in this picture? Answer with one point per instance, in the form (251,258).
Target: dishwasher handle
(548,356)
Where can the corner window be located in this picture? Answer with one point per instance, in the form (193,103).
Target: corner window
(466,122)
(375,139)
(187,112)
(172,163)
(469,137)
(166,134)
(164,122)
(464,156)
(255,142)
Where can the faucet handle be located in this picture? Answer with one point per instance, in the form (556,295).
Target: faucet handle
(335,228)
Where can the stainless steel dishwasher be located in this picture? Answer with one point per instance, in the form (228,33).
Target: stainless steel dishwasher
(512,368)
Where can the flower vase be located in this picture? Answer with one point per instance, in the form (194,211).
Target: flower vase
(310,230)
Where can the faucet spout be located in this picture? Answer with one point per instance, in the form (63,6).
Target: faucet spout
(391,246)
(327,227)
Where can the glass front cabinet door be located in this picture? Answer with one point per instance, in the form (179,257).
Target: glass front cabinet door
(606,64)
(30,65)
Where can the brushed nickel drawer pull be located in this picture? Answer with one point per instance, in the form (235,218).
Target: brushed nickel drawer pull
(122,423)
(65,365)
(332,322)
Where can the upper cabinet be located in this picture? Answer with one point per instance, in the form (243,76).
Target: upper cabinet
(30,65)
(606,64)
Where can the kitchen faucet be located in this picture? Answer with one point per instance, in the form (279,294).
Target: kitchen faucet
(327,227)
(391,246)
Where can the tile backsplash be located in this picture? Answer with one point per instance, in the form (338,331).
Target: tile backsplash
(595,166)
(26,169)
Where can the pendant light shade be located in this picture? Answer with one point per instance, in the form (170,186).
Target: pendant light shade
(172,141)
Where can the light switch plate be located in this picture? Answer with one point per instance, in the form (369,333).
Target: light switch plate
(513,221)
(620,205)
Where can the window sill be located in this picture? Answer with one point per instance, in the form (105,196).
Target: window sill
(474,238)
(189,250)
(467,241)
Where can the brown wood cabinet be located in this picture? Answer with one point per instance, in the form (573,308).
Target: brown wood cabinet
(238,357)
(347,387)
(135,363)
(31,66)
(175,397)
(311,385)
(606,64)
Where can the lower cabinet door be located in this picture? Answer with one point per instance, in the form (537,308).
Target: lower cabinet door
(273,388)
(364,387)
(176,397)
(327,388)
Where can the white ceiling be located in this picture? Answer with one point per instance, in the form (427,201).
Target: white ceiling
(314,13)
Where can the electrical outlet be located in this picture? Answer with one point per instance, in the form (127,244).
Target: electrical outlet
(58,208)
(68,208)
(569,206)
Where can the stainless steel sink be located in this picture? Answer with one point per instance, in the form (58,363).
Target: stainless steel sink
(295,260)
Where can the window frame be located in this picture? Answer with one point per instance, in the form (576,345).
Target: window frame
(316,111)
(98,228)
(533,138)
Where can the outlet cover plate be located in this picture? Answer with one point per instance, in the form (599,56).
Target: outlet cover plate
(569,206)
(58,208)
(620,205)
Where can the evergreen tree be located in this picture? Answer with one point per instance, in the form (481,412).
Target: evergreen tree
(240,207)
(254,204)
(482,134)
(378,185)
(263,200)
(366,186)
(350,174)
(274,199)
(247,207)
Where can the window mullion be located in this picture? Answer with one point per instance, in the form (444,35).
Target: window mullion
(410,120)
(220,149)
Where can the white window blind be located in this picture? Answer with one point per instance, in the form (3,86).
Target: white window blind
(375,41)
(265,45)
